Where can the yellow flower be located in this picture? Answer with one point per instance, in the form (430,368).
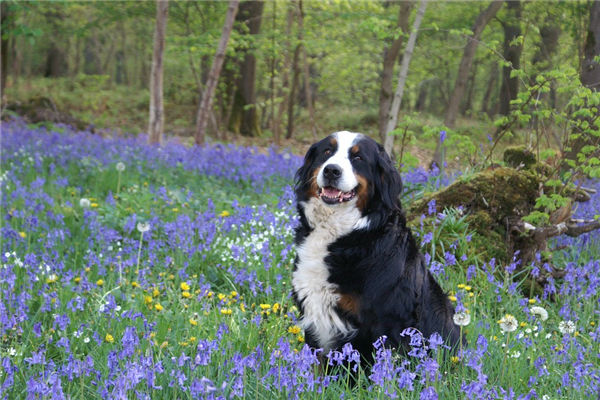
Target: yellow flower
(225,213)
(77,279)
(184,286)
(175,209)
(532,301)
(109,338)
(276,307)
(294,330)
(233,294)
(193,339)
(226,311)
(158,307)
(265,306)
(87,269)
(221,296)
(452,298)
(300,338)
(210,294)
(454,359)
(186,294)
(147,299)
(23,235)
(468,288)
(134,284)
(461,285)
(193,322)
(155,292)
(100,282)
(243,307)
(94,205)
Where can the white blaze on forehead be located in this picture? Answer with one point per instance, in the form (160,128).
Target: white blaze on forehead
(345,141)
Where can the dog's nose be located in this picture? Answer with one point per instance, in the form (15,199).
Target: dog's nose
(332,172)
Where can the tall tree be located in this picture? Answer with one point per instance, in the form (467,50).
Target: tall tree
(395,107)
(463,70)
(305,70)
(157,119)
(390,55)
(590,67)
(4,21)
(204,109)
(244,118)
(512,54)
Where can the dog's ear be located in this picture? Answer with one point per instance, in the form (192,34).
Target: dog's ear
(303,175)
(390,184)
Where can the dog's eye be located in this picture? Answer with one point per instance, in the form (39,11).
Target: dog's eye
(356,157)
(327,152)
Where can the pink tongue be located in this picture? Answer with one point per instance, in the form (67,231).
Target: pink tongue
(330,192)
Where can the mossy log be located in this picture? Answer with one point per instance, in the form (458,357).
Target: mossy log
(40,109)
(494,201)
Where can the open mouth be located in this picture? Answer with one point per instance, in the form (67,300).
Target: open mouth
(331,195)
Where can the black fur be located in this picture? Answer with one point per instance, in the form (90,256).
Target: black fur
(379,266)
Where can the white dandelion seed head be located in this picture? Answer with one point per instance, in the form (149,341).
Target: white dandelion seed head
(84,203)
(566,327)
(539,312)
(462,318)
(120,166)
(508,323)
(143,227)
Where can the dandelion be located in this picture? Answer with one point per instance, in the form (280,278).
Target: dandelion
(226,311)
(158,307)
(224,213)
(120,168)
(294,330)
(186,294)
(143,227)
(508,323)
(155,292)
(94,205)
(100,282)
(566,327)
(184,286)
(147,300)
(539,312)
(109,338)
(84,203)
(23,235)
(462,318)
(193,322)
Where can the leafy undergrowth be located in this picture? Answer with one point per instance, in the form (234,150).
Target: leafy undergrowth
(131,271)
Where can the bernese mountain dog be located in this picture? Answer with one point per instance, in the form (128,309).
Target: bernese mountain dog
(358,273)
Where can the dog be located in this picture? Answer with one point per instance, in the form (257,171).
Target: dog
(358,274)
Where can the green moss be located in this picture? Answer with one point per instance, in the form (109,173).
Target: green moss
(519,156)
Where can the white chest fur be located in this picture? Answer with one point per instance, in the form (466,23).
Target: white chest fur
(310,279)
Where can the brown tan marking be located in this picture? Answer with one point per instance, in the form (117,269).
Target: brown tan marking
(314,186)
(333,141)
(354,149)
(362,192)
(349,303)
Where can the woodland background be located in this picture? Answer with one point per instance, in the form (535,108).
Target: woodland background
(297,70)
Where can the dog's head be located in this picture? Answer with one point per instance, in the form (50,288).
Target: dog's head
(349,168)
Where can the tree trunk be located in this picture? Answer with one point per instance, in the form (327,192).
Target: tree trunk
(463,70)
(287,61)
(305,69)
(4,21)
(292,95)
(204,109)
(467,104)
(512,53)
(244,118)
(390,55)
(589,75)
(590,68)
(489,89)
(395,107)
(157,120)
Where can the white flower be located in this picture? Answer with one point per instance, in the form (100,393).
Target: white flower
(86,339)
(539,312)
(566,327)
(120,166)
(84,203)
(516,354)
(143,227)
(508,323)
(462,318)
